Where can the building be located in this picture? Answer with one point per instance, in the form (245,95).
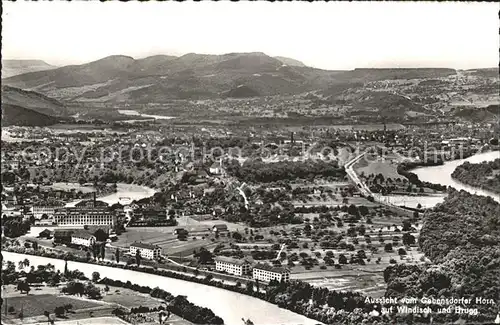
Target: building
(10,211)
(216,169)
(151,252)
(220,229)
(83,238)
(231,265)
(266,273)
(87,212)
(49,210)
(46,234)
(151,216)
(63,236)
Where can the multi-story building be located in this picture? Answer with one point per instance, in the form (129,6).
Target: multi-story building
(85,213)
(265,272)
(151,252)
(83,238)
(231,265)
(49,210)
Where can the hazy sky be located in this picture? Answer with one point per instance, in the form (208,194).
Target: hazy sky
(324,35)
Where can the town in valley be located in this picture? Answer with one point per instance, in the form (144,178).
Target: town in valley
(248,188)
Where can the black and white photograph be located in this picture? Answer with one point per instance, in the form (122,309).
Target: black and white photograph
(250,163)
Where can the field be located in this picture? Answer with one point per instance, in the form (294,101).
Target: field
(199,236)
(385,167)
(35,305)
(90,321)
(84,311)
(128,298)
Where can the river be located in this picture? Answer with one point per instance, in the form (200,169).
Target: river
(442,174)
(125,193)
(134,113)
(231,306)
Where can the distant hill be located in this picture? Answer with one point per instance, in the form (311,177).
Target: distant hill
(16,67)
(486,72)
(160,78)
(32,100)
(242,92)
(21,116)
(369,74)
(289,61)
(478,115)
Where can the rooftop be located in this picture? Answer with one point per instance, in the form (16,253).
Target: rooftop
(145,245)
(275,269)
(230,260)
(81,233)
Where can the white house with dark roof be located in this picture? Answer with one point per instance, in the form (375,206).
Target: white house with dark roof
(231,265)
(148,251)
(83,238)
(220,228)
(266,273)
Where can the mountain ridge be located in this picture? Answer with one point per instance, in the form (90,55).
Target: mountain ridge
(159,78)
(12,67)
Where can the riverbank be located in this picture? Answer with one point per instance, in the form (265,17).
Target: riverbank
(124,194)
(484,175)
(217,296)
(442,174)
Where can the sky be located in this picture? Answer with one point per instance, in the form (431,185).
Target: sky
(327,35)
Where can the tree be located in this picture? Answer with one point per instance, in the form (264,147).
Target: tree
(363,210)
(401,251)
(342,259)
(47,314)
(103,251)
(204,256)
(388,247)
(59,311)
(250,287)
(138,258)
(352,210)
(95,276)
(408,239)
(237,236)
(23,286)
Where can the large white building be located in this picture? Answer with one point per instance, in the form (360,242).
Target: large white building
(231,265)
(95,213)
(265,272)
(83,238)
(49,210)
(151,252)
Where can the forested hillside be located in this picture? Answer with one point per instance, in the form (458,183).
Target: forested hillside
(462,237)
(485,175)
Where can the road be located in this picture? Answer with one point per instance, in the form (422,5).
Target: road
(355,178)
(364,190)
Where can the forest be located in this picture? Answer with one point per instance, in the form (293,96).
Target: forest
(260,172)
(461,236)
(485,175)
